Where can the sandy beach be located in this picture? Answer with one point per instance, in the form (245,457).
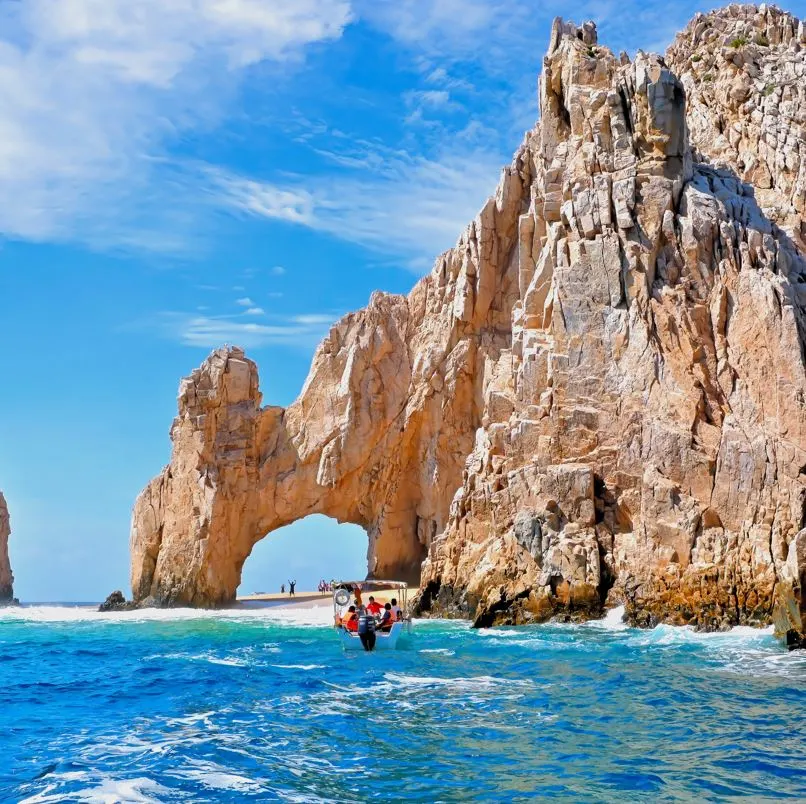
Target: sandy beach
(312,599)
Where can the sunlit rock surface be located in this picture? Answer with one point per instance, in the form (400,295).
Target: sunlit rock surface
(6,576)
(596,397)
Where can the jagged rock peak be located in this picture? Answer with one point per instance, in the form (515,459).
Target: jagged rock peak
(597,396)
(6,576)
(744,70)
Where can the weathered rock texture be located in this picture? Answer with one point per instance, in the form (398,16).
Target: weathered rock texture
(744,72)
(6,576)
(596,396)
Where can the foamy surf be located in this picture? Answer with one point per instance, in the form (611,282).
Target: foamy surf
(106,791)
(210,711)
(309,616)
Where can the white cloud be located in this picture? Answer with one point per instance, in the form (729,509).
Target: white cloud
(313,319)
(440,76)
(269,201)
(411,207)
(255,311)
(278,270)
(423,22)
(92,92)
(244,302)
(435,98)
(304,330)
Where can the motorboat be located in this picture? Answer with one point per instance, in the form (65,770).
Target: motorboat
(346,593)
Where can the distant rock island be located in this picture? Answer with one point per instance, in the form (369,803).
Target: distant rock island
(597,397)
(6,576)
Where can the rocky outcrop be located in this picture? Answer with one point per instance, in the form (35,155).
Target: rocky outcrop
(596,397)
(744,72)
(790,611)
(6,576)
(116,602)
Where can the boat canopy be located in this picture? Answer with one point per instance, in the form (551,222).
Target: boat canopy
(344,590)
(370,585)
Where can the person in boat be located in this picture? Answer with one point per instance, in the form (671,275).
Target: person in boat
(373,607)
(397,612)
(366,629)
(350,620)
(387,619)
(357,593)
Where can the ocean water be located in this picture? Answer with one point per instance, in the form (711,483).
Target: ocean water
(263,705)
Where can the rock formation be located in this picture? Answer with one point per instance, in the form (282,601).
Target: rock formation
(116,601)
(6,576)
(596,396)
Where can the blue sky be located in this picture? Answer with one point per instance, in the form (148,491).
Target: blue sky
(177,174)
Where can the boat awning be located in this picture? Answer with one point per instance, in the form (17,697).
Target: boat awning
(371,585)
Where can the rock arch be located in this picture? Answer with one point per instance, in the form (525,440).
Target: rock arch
(378,438)
(597,395)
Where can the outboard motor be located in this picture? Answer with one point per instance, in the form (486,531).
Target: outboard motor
(366,630)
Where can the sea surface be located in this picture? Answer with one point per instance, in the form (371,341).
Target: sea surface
(263,705)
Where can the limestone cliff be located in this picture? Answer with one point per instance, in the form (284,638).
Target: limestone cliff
(597,395)
(6,577)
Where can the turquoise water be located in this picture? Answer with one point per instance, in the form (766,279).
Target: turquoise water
(263,705)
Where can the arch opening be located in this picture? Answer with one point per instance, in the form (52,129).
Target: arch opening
(307,551)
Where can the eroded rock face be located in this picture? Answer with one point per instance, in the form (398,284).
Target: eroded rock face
(596,397)
(657,346)
(6,576)
(744,71)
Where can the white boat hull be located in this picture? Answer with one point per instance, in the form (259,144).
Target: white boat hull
(383,641)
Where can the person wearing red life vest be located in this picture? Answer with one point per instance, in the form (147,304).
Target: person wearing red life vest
(373,607)
(387,619)
(350,620)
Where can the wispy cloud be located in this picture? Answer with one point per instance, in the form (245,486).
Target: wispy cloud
(304,330)
(94,95)
(255,311)
(93,92)
(411,208)
(244,302)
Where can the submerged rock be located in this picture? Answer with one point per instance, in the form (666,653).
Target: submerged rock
(595,398)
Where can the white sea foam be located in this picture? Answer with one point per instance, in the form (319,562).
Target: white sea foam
(214,777)
(504,633)
(299,666)
(613,619)
(444,651)
(675,634)
(460,683)
(106,791)
(307,616)
(230,661)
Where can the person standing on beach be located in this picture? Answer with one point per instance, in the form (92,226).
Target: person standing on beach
(291,585)
(282,588)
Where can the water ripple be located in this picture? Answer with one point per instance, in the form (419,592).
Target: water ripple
(256,706)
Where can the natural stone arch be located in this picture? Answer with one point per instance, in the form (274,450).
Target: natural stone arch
(378,438)
(241,471)
(596,397)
